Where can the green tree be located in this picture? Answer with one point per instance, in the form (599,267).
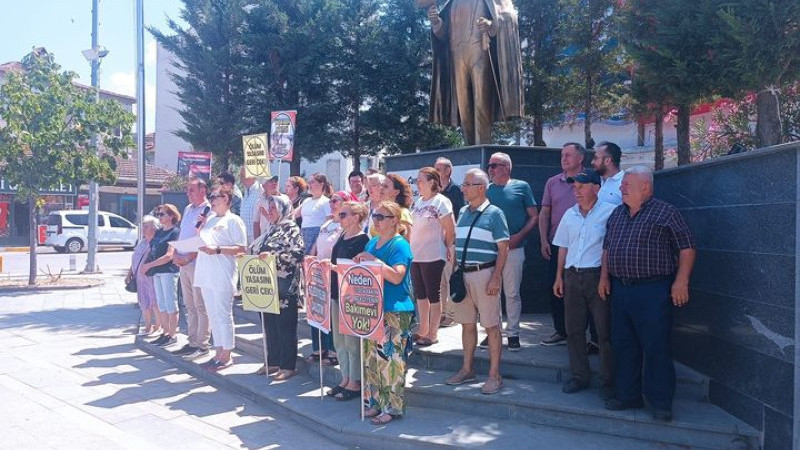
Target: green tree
(669,41)
(760,48)
(541,25)
(594,65)
(47,133)
(210,62)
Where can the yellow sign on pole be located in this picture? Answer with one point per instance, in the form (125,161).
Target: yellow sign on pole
(256,160)
(259,284)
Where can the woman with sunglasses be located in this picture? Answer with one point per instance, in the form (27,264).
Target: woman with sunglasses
(282,238)
(215,272)
(433,234)
(385,363)
(328,234)
(164,272)
(350,242)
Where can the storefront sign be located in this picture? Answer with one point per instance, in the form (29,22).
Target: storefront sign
(360,299)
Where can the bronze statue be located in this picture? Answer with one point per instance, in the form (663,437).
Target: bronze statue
(477,65)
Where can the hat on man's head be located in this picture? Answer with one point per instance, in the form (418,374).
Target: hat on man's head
(587,176)
(263,180)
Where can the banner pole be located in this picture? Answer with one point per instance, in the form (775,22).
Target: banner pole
(321,353)
(361,352)
(264,340)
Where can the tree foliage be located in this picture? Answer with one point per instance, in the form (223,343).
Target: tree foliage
(48,128)
(210,75)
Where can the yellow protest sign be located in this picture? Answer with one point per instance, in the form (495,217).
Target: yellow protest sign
(255,149)
(259,284)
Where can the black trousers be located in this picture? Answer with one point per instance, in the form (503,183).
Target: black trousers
(556,304)
(281,331)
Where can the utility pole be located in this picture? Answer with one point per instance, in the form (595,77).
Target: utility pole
(141,179)
(91,265)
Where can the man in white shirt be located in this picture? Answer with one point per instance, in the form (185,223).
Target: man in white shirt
(198,328)
(580,237)
(606,163)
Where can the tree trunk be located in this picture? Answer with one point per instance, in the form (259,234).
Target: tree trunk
(684,116)
(587,129)
(294,164)
(659,139)
(32,240)
(768,121)
(538,132)
(640,131)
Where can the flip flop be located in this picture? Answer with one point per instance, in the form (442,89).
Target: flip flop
(312,358)
(346,394)
(335,391)
(383,419)
(425,342)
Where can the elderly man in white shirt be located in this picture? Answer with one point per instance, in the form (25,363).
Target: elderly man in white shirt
(580,240)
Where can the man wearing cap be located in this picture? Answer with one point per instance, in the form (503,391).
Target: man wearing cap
(579,238)
(260,221)
(252,192)
(648,255)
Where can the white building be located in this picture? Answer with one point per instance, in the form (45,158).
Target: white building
(169,121)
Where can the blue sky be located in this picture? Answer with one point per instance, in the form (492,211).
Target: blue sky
(64,28)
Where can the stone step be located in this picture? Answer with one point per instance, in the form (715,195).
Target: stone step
(537,399)
(421,427)
(534,362)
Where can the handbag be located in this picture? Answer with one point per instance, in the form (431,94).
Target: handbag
(130,286)
(458,290)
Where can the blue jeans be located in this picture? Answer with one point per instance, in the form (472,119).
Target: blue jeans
(641,327)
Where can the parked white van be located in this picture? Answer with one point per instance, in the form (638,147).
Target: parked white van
(68,230)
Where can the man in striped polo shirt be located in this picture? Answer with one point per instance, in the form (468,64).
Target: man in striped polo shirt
(486,254)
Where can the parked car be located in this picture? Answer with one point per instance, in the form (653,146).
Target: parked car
(68,231)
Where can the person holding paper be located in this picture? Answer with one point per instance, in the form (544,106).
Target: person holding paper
(282,238)
(350,243)
(215,272)
(385,363)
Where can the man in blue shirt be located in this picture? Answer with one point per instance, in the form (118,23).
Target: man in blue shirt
(515,199)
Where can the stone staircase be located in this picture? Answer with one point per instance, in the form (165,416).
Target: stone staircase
(530,411)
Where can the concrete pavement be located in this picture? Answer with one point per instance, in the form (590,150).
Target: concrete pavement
(71,377)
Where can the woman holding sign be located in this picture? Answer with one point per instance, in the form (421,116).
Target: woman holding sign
(385,363)
(282,238)
(215,272)
(350,243)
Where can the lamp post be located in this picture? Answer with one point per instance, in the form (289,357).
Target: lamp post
(93,55)
(140,131)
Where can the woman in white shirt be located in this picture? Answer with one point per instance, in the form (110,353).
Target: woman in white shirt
(433,234)
(314,210)
(215,272)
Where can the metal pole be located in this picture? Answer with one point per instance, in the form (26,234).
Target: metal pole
(91,266)
(141,153)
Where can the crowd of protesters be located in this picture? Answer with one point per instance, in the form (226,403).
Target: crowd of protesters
(617,260)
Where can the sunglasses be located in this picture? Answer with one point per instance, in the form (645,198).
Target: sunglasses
(378,217)
(495,165)
(212,197)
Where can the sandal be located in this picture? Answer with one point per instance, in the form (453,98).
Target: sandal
(329,360)
(346,394)
(312,358)
(425,342)
(264,370)
(383,419)
(285,375)
(372,412)
(335,391)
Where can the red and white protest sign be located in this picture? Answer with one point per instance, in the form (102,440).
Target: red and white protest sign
(360,299)
(281,135)
(318,294)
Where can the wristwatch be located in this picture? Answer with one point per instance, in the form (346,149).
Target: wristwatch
(219,250)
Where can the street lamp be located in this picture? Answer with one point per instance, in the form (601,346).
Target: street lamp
(93,55)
